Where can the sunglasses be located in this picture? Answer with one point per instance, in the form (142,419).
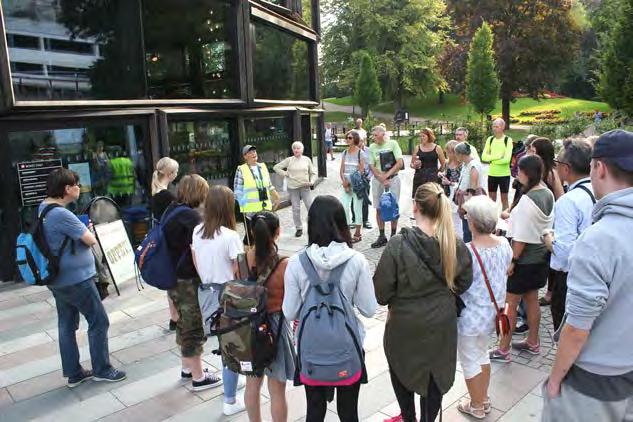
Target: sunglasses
(349,137)
(561,162)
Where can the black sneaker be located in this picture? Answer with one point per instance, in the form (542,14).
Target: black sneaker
(76,380)
(209,381)
(113,375)
(367,225)
(521,329)
(380,242)
(185,375)
(172,325)
(299,233)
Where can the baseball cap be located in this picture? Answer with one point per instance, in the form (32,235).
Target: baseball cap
(248,148)
(617,147)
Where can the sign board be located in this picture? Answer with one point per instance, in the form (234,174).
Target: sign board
(118,251)
(32,177)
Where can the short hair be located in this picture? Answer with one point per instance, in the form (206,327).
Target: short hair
(462,129)
(592,140)
(298,144)
(616,172)
(450,145)
(359,120)
(355,136)
(483,213)
(577,154)
(57,181)
(499,120)
(380,129)
(192,190)
(429,134)
(463,148)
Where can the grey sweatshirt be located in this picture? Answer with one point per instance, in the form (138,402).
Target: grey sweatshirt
(600,287)
(356,283)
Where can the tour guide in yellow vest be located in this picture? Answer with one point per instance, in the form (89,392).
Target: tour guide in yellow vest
(253,188)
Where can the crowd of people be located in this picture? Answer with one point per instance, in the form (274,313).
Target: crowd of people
(446,280)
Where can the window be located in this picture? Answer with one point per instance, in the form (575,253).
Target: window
(72,37)
(23,41)
(27,68)
(67,72)
(203,147)
(189,49)
(272,138)
(280,65)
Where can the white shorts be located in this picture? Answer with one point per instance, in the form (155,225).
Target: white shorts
(473,353)
(377,189)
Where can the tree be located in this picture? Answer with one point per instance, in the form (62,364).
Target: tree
(367,91)
(482,82)
(534,40)
(616,62)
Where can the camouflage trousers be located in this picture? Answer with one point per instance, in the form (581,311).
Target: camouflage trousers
(189,332)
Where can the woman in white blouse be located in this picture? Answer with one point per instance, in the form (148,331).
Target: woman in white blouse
(477,320)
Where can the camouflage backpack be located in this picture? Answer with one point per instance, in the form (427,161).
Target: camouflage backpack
(242,324)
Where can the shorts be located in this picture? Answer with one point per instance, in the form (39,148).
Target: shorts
(378,189)
(473,353)
(329,145)
(503,183)
(528,277)
(189,332)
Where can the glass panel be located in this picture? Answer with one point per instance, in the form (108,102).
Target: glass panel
(189,51)
(280,65)
(306,11)
(100,39)
(315,142)
(203,147)
(110,160)
(273,138)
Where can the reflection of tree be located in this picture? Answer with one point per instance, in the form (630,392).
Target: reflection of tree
(118,74)
(280,65)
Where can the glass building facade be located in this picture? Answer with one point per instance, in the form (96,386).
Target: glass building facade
(107,88)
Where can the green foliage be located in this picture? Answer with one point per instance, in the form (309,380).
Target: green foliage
(482,82)
(616,62)
(367,91)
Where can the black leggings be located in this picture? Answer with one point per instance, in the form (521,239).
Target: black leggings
(430,405)
(559,295)
(346,402)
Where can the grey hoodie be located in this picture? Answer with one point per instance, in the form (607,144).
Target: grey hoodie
(356,282)
(600,287)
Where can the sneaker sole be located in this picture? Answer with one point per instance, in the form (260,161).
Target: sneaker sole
(75,384)
(207,386)
(234,412)
(98,379)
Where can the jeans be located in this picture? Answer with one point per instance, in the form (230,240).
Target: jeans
(230,384)
(350,200)
(70,301)
(468,236)
(296,196)
(346,402)
(430,405)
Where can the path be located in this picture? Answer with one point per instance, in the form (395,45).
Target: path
(31,385)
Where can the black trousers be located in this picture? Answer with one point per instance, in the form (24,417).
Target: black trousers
(559,294)
(430,405)
(346,402)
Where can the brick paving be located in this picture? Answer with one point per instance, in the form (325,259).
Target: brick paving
(32,388)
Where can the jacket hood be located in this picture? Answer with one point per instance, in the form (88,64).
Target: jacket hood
(615,203)
(331,256)
(424,246)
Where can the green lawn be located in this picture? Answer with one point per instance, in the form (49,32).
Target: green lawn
(336,116)
(343,101)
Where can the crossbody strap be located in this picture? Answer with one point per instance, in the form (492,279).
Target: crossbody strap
(586,189)
(483,271)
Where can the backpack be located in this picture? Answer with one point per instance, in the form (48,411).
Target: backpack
(518,151)
(328,339)
(389,209)
(37,264)
(247,343)
(505,142)
(153,258)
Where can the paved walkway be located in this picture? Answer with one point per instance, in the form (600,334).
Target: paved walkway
(31,385)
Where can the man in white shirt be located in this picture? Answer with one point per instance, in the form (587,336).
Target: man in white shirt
(329,140)
(572,215)
(361,132)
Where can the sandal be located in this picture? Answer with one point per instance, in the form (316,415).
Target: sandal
(357,238)
(467,408)
(487,406)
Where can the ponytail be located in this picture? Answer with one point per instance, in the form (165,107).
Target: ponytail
(164,167)
(433,203)
(156,186)
(265,226)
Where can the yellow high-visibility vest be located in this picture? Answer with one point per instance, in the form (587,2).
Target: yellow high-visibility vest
(251,193)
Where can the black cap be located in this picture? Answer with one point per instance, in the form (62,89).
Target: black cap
(248,148)
(616,146)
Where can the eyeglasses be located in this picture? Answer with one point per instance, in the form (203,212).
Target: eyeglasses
(349,137)
(561,162)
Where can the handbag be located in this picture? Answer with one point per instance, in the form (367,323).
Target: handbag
(502,321)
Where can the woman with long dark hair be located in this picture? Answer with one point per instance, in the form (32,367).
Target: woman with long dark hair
(529,219)
(544,148)
(264,261)
(329,248)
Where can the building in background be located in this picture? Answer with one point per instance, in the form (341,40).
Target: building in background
(108,88)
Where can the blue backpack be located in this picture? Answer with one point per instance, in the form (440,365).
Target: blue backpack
(153,258)
(37,264)
(389,209)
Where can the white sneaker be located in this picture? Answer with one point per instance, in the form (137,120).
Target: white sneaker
(232,409)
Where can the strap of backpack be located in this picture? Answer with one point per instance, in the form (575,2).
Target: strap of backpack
(45,248)
(263,277)
(483,271)
(313,277)
(586,189)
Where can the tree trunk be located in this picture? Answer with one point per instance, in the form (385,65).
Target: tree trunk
(505,111)
(440,98)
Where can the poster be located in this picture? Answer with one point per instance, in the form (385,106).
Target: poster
(83,170)
(32,176)
(117,250)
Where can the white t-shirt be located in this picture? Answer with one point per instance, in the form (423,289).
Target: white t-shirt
(214,257)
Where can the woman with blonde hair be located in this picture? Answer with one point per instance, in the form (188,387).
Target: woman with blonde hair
(449,180)
(418,276)
(165,173)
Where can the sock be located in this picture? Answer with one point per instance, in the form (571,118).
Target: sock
(382,232)
(201,378)
(186,371)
